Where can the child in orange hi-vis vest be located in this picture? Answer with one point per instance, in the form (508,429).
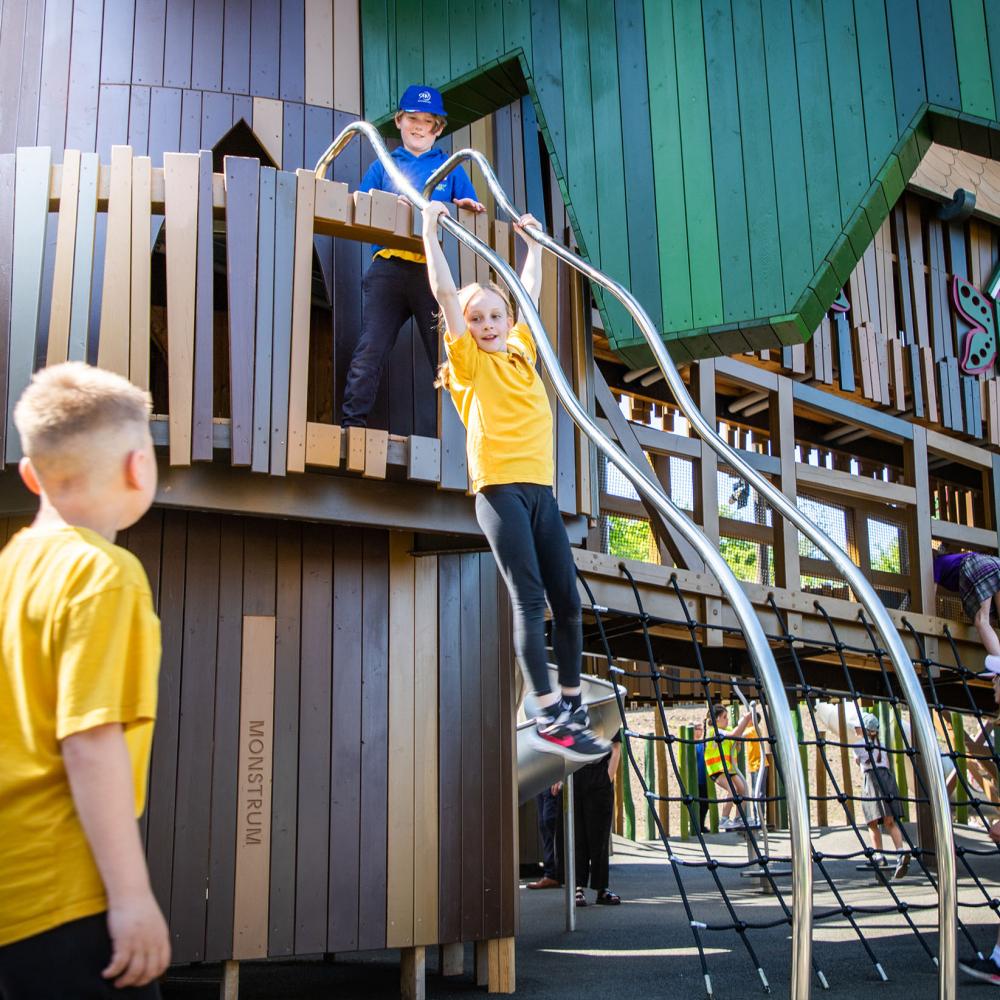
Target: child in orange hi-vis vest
(719,744)
(490,373)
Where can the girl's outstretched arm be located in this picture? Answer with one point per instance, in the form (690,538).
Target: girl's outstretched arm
(531,273)
(438,273)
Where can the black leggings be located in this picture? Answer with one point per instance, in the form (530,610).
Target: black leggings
(526,533)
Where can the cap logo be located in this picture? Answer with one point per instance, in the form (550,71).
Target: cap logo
(424,95)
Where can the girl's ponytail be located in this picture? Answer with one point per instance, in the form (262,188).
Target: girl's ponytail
(443,379)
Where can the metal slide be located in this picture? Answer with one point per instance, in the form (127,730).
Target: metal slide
(786,744)
(923,729)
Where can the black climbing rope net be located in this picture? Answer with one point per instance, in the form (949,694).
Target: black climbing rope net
(863,888)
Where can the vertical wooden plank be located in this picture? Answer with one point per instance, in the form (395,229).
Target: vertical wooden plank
(265,55)
(84,75)
(177,44)
(113,346)
(206,59)
(301,309)
(284,798)
(55,74)
(268,125)
(492,718)
(147,52)
(31,184)
(919,530)
(140,277)
(786,536)
(346,57)
(319,52)
(293,36)
(180,176)
(83,258)
(313,846)
(226,775)
(425,752)
(236,46)
(261,374)
(284,253)
(346,830)
(401,837)
(204,319)
(374,741)
(253,842)
(450,748)
(165,106)
(195,737)
(62,280)
(7,167)
(242,199)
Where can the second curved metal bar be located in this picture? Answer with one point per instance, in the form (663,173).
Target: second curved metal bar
(923,728)
(786,744)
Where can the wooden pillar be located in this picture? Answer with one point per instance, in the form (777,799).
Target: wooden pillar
(412,966)
(915,474)
(786,535)
(500,965)
(706,486)
(451,959)
(662,776)
(845,759)
(229,988)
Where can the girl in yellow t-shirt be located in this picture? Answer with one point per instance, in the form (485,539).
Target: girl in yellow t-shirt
(490,374)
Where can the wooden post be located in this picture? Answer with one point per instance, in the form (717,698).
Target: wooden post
(900,759)
(620,793)
(500,965)
(662,776)
(451,959)
(412,979)
(230,986)
(822,813)
(786,536)
(627,804)
(650,775)
(706,485)
(682,757)
(847,786)
(961,766)
(915,474)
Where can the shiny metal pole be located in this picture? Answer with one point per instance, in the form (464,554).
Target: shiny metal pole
(925,737)
(569,853)
(786,744)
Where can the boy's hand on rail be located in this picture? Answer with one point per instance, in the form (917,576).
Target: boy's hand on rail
(471,204)
(527,220)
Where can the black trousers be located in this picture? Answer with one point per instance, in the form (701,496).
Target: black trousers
(549,821)
(525,530)
(65,963)
(393,291)
(593,807)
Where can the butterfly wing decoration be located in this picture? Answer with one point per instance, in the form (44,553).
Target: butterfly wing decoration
(840,303)
(979,351)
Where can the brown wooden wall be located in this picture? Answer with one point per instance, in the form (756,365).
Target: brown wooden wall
(332,760)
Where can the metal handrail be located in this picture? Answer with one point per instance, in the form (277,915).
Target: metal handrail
(786,743)
(923,728)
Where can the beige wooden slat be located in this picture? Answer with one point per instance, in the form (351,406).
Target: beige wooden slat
(501,240)
(356,449)
(897,371)
(929,373)
(425,752)
(333,201)
(384,210)
(993,411)
(298,383)
(346,56)
(861,365)
(180,172)
(482,231)
(62,279)
(113,346)
(362,208)
(481,139)
(400,868)
(319,52)
(140,273)
(582,386)
(268,125)
(323,445)
(466,255)
(875,316)
(253,813)
(548,311)
(376,453)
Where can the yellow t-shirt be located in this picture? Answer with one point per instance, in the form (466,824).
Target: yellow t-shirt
(753,749)
(79,648)
(388,252)
(502,402)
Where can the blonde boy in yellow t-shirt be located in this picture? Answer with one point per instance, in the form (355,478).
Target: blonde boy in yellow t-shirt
(79,657)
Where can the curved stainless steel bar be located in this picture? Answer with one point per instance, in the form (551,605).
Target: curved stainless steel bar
(923,729)
(786,744)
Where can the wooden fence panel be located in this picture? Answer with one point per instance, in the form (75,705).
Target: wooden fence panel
(203,402)
(116,294)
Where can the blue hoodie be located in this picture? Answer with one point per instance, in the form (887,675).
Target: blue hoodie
(417,169)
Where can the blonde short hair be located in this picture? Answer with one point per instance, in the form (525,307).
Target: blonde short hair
(70,401)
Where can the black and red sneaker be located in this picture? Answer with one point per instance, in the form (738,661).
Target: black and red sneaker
(982,968)
(569,735)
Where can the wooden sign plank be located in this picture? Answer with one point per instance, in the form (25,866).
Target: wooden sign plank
(7,167)
(140,273)
(242,202)
(333,201)
(362,208)
(31,207)
(298,381)
(204,318)
(116,293)
(62,278)
(400,871)
(83,257)
(253,830)
(281,348)
(261,450)
(323,445)
(384,210)
(180,176)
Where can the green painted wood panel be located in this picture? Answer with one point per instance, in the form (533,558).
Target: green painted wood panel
(751,148)
(727,159)
(971,47)
(758,159)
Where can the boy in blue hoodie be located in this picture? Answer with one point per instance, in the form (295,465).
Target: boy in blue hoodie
(395,287)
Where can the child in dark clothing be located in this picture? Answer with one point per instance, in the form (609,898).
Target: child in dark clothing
(395,287)
(976,579)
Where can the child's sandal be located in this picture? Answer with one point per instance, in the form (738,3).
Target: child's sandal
(608,898)
(581,899)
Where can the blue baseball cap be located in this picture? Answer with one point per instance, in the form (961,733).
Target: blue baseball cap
(419,97)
